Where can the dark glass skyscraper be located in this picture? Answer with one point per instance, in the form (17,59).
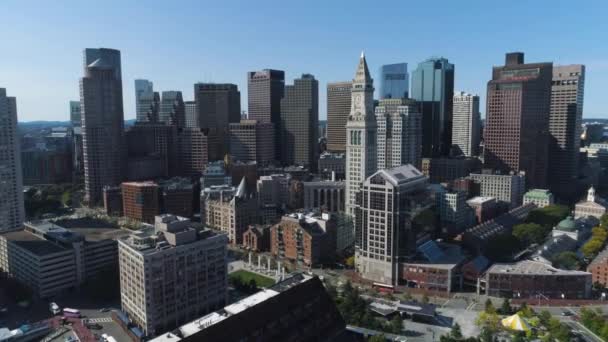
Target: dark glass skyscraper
(433,88)
(517,119)
(299,122)
(264,93)
(394,81)
(102,121)
(172,109)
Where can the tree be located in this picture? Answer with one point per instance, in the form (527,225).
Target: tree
(548,216)
(396,324)
(489,306)
(350,261)
(566,260)
(425,299)
(529,233)
(456,332)
(505,308)
(376,338)
(545,317)
(592,247)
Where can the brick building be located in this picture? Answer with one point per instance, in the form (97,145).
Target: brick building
(112,200)
(140,201)
(257,238)
(599,268)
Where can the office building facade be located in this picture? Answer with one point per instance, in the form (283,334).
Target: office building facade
(140,201)
(338,109)
(172,110)
(466,129)
(191,114)
(251,140)
(505,188)
(394,81)
(75,116)
(12,212)
(517,119)
(102,122)
(433,88)
(265,89)
(399,133)
(299,123)
(146,101)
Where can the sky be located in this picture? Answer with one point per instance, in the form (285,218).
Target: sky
(178,43)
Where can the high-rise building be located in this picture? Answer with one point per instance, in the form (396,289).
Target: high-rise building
(172,110)
(146,101)
(191,114)
(171,273)
(338,109)
(299,122)
(265,89)
(399,133)
(102,121)
(466,128)
(433,88)
(517,118)
(75,117)
(12,212)
(218,105)
(252,141)
(383,222)
(153,141)
(192,151)
(394,81)
(361,140)
(565,119)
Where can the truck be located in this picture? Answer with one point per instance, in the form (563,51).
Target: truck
(54,308)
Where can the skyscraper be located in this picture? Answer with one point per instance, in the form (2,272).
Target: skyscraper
(75,117)
(265,89)
(102,121)
(517,119)
(12,212)
(299,122)
(191,114)
(146,101)
(433,88)
(567,93)
(361,140)
(218,105)
(338,108)
(394,81)
(252,141)
(383,222)
(172,109)
(466,128)
(399,133)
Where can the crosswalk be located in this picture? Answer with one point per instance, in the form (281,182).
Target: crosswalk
(99,320)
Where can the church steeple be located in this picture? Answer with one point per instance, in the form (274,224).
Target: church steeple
(362,75)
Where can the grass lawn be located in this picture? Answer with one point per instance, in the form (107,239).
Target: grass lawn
(246,276)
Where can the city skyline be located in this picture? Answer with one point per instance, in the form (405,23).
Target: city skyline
(44,88)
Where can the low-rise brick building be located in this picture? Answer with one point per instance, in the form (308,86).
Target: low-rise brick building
(599,268)
(257,238)
(140,201)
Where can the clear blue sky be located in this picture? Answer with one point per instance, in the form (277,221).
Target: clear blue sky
(178,43)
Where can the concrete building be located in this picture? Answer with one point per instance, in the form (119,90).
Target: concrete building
(229,209)
(308,239)
(112,200)
(177,197)
(594,206)
(48,163)
(193,148)
(191,113)
(454,213)
(218,105)
(531,279)
(50,259)
(171,273)
(442,169)
(399,133)
(389,200)
(300,303)
(332,164)
(152,141)
(215,174)
(102,122)
(75,116)
(394,81)
(273,190)
(338,109)
(12,212)
(299,123)
(265,89)
(140,201)
(172,110)
(252,141)
(361,138)
(433,88)
(517,119)
(466,128)
(565,123)
(505,188)
(326,196)
(540,197)
(484,208)
(146,102)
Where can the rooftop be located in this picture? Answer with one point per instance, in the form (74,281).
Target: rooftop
(531,267)
(32,243)
(538,193)
(481,199)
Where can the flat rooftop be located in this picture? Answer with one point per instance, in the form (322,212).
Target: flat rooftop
(532,268)
(480,199)
(32,243)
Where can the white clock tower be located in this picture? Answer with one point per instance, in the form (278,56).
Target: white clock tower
(361,140)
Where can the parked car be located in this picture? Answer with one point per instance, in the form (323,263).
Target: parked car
(94,326)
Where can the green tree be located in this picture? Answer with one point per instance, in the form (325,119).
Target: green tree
(505,308)
(456,332)
(566,260)
(489,306)
(592,247)
(529,233)
(548,216)
(545,317)
(396,324)
(376,338)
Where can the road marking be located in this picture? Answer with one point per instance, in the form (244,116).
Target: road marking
(99,320)
(471,306)
(446,303)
